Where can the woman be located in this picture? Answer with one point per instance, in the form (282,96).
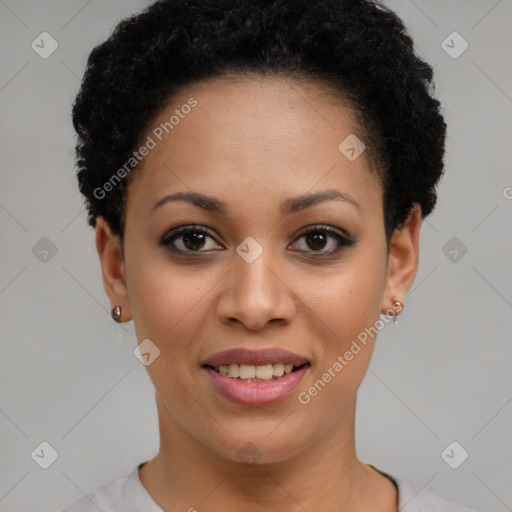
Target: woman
(257,173)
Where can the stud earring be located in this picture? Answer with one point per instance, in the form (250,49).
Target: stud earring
(397,305)
(116,314)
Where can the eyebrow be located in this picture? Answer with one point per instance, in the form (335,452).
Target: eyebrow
(296,204)
(287,207)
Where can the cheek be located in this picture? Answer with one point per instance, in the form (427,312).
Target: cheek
(349,299)
(350,309)
(169,305)
(349,304)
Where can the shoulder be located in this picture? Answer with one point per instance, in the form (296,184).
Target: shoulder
(413,498)
(127,494)
(121,495)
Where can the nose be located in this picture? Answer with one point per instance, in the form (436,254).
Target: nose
(255,294)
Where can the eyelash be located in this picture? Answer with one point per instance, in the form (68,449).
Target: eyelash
(168,239)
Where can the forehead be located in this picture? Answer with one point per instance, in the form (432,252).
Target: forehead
(251,133)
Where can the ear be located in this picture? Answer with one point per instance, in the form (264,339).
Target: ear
(403,260)
(112,264)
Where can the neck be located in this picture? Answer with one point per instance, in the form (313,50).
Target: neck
(187,473)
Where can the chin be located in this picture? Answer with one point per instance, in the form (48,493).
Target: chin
(254,445)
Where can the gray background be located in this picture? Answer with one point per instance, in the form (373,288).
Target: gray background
(67,372)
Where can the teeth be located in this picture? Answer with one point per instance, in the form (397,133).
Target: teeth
(233,370)
(249,372)
(279,369)
(264,372)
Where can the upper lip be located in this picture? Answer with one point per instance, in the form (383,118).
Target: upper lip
(258,357)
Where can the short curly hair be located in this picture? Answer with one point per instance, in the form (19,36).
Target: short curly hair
(358,47)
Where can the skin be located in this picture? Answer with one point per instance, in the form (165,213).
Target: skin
(254,142)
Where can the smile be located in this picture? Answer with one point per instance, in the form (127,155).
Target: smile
(252,373)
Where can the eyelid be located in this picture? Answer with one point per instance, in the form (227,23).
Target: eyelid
(167,239)
(344,240)
(325,227)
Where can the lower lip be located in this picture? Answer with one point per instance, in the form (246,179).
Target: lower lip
(256,393)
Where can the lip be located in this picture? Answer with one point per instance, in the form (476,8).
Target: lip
(259,357)
(254,394)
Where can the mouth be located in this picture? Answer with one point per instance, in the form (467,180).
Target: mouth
(264,364)
(254,378)
(256,373)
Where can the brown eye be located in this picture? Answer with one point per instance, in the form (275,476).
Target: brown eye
(190,239)
(316,240)
(194,241)
(323,240)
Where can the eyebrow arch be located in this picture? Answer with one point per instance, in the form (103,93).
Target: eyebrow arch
(296,204)
(203,201)
(289,206)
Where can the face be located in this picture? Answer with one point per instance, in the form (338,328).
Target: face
(282,247)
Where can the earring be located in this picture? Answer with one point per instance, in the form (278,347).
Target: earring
(116,314)
(397,305)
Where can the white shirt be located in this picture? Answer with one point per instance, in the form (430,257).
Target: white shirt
(127,494)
